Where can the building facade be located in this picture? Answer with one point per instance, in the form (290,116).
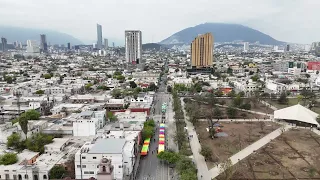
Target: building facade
(99,36)
(133,44)
(88,159)
(202,51)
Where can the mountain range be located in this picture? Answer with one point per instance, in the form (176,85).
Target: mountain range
(222,33)
(23,34)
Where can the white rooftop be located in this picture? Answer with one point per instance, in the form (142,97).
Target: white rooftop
(108,146)
(297,113)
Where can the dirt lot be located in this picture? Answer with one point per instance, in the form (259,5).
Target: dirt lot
(295,155)
(240,135)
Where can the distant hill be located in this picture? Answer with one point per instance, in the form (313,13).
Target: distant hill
(23,34)
(152,46)
(221,33)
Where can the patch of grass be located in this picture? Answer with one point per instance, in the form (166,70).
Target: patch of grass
(291,102)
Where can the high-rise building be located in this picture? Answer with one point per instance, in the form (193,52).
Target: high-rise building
(43,43)
(3,44)
(133,46)
(246,47)
(202,51)
(69,46)
(32,47)
(113,44)
(106,45)
(99,36)
(288,47)
(31,43)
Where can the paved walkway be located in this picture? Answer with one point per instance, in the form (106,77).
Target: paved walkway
(254,112)
(196,147)
(269,105)
(214,172)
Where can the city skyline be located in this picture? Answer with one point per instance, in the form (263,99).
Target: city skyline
(270,17)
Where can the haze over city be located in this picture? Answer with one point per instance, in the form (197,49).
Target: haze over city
(159,90)
(286,20)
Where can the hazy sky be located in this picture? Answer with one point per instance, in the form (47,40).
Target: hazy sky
(285,20)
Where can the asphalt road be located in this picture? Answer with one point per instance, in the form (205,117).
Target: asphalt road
(150,167)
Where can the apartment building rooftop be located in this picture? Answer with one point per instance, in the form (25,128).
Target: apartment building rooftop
(110,146)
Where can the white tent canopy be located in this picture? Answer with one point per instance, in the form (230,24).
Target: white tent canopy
(297,113)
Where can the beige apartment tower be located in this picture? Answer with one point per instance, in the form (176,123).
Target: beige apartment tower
(202,51)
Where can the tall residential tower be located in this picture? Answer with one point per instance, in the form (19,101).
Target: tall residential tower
(246,46)
(133,44)
(106,44)
(43,43)
(99,36)
(202,51)
(3,44)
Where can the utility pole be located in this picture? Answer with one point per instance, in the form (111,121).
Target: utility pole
(17,93)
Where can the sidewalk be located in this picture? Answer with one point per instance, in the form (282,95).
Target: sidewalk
(268,104)
(238,120)
(254,112)
(214,172)
(196,147)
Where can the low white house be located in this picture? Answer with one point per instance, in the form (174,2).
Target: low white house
(119,151)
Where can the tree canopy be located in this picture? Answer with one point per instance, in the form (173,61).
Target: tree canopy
(8,158)
(133,84)
(57,172)
(36,142)
(148,129)
(170,157)
(47,76)
(283,98)
(40,91)
(112,117)
(14,141)
(206,152)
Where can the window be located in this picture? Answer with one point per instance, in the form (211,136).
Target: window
(26,176)
(84,166)
(91,172)
(78,166)
(94,157)
(83,157)
(45,176)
